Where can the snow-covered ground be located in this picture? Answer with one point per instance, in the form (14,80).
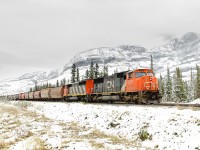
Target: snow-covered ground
(197,101)
(57,125)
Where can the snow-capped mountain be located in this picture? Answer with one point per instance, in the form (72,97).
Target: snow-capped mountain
(181,52)
(122,57)
(24,82)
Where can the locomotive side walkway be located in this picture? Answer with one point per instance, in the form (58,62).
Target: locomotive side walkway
(58,125)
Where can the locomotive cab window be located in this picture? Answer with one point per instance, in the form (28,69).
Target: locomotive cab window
(130,75)
(139,74)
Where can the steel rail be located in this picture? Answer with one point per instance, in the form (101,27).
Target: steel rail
(123,103)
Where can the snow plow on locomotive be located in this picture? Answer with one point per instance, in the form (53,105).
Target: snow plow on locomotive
(139,86)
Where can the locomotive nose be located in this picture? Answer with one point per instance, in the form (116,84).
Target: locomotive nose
(150,83)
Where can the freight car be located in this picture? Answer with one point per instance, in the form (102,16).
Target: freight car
(139,86)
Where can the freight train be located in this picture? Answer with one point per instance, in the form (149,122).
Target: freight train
(138,86)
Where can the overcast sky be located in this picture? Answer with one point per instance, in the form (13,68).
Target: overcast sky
(40,35)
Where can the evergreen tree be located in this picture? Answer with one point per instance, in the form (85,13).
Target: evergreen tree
(49,85)
(73,73)
(116,70)
(197,82)
(105,71)
(151,62)
(36,87)
(64,81)
(180,92)
(162,85)
(31,89)
(101,74)
(91,71)
(168,86)
(77,75)
(57,83)
(87,74)
(186,90)
(191,88)
(61,82)
(96,73)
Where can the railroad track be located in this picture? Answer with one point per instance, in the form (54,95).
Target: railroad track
(179,104)
(130,104)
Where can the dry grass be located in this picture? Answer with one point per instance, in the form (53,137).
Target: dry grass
(180,107)
(9,110)
(22,126)
(195,108)
(31,114)
(114,139)
(40,145)
(29,134)
(3,144)
(184,107)
(97,145)
(23,104)
(35,143)
(36,124)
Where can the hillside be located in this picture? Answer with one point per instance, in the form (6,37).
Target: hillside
(181,52)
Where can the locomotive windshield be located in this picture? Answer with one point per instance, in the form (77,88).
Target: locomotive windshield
(139,74)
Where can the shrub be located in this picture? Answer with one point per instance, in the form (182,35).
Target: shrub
(144,135)
(113,125)
(23,104)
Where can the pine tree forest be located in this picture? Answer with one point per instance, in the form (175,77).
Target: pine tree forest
(174,88)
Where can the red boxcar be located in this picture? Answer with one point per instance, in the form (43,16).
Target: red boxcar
(30,95)
(21,96)
(45,93)
(37,94)
(58,92)
(27,95)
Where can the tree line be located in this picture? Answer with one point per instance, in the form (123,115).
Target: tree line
(48,85)
(91,73)
(174,88)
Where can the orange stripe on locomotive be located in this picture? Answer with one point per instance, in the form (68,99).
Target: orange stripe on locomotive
(89,86)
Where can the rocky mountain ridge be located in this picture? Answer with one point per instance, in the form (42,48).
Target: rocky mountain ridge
(181,52)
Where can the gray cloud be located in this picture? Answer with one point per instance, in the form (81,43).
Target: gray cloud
(46,34)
